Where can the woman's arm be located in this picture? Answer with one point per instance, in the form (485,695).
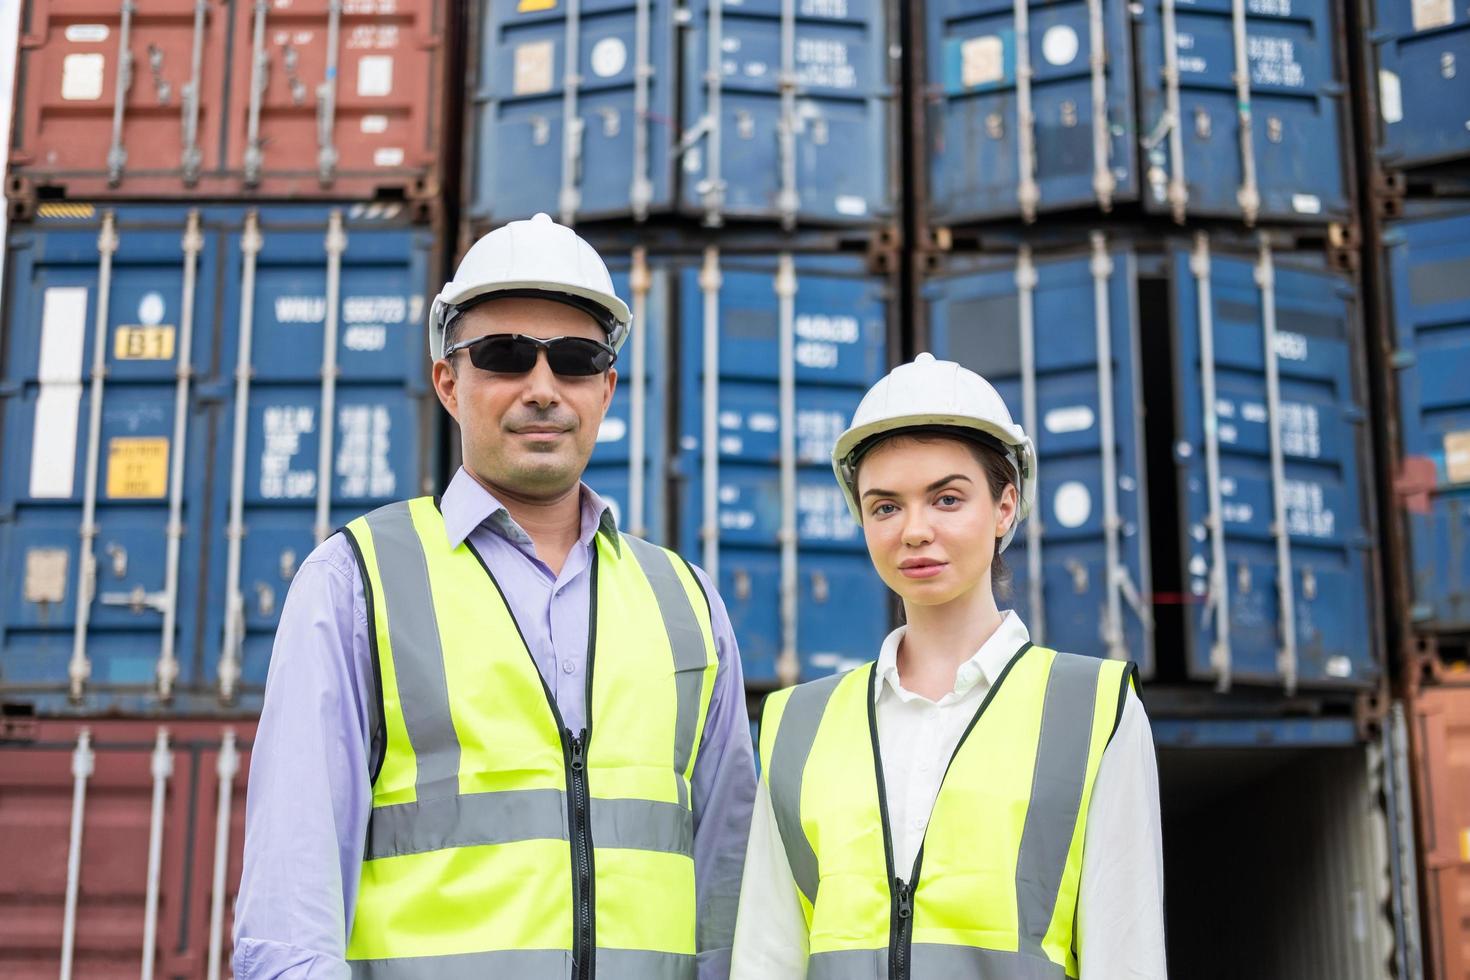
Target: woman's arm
(770,931)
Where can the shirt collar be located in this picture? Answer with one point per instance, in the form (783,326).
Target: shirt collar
(466,505)
(988,662)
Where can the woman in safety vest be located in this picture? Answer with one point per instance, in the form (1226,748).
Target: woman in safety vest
(969,805)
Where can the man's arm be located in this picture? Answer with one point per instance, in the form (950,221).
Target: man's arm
(1120,911)
(724,791)
(309,794)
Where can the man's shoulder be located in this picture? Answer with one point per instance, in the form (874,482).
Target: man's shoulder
(335,554)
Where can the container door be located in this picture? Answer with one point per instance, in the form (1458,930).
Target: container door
(148,277)
(1079,148)
(1422,85)
(1441,734)
(1429,263)
(298,277)
(1289,460)
(1080,564)
(592,144)
(1289,162)
(817,154)
(731,424)
(623,457)
(153,134)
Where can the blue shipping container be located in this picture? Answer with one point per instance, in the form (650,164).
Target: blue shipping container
(1423,99)
(1041,112)
(1093,561)
(197,452)
(641,126)
(1429,277)
(825,319)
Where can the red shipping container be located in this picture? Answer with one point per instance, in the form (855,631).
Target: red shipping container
(124,794)
(1441,740)
(237,99)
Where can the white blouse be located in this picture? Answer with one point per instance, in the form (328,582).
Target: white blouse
(1120,928)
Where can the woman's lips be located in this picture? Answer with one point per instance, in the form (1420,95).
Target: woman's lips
(923,569)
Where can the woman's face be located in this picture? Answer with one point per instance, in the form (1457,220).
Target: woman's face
(929,518)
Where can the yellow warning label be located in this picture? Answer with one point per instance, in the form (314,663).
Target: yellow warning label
(137,468)
(1457,456)
(531,6)
(58,209)
(141,343)
(1465,845)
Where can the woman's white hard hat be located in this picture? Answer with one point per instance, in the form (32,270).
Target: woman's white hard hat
(532,257)
(932,394)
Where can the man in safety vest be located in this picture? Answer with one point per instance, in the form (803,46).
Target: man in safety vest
(442,784)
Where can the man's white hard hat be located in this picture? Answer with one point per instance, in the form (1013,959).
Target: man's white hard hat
(929,394)
(535,257)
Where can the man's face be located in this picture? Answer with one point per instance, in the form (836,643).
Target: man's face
(530,434)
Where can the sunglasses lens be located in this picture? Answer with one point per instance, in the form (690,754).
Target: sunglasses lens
(505,355)
(578,358)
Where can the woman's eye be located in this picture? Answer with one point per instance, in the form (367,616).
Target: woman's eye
(883,510)
(949,500)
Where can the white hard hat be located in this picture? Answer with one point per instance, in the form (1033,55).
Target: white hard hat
(528,258)
(932,394)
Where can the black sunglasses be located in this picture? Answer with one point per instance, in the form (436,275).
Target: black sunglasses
(514,353)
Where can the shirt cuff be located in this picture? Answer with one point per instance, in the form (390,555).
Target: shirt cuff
(263,959)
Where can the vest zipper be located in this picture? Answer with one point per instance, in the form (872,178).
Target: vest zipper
(584,948)
(901,930)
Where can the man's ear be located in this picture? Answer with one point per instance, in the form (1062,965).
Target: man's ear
(446,386)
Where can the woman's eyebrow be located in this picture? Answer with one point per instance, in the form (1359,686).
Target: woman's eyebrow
(879,492)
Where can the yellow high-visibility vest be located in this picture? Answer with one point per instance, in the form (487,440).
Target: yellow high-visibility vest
(993,892)
(500,843)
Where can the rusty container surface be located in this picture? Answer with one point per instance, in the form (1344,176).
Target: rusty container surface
(239,99)
(121,786)
(1441,741)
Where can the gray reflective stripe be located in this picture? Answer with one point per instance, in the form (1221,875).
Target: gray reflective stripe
(934,960)
(468,966)
(799,723)
(639,964)
(642,825)
(687,641)
(1056,793)
(418,659)
(534,964)
(466,821)
(529,814)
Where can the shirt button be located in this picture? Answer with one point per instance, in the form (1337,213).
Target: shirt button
(568,667)
(917,823)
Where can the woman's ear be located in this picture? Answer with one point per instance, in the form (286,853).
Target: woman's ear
(1005,510)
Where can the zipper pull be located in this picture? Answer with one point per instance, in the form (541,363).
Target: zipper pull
(905,898)
(579,750)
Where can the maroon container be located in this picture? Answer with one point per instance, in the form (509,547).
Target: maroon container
(272,119)
(38,800)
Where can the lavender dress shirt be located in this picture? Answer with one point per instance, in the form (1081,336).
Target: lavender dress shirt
(310,795)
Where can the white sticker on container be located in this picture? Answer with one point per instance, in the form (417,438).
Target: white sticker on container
(1432,13)
(374,124)
(533,67)
(1059,45)
(81,77)
(851,204)
(982,60)
(87,33)
(1072,504)
(1306,204)
(1457,456)
(388,156)
(151,309)
(375,75)
(1339,666)
(1072,418)
(54,440)
(609,57)
(612,430)
(63,332)
(1390,96)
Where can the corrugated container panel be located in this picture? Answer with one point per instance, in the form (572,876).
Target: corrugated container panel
(1440,718)
(833,323)
(1091,79)
(643,127)
(243,469)
(172,98)
(1422,95)
(1428,266)
(122,794)
(1139,576)
(1276,863)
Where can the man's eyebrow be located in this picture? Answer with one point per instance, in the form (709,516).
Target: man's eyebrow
(879,492)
